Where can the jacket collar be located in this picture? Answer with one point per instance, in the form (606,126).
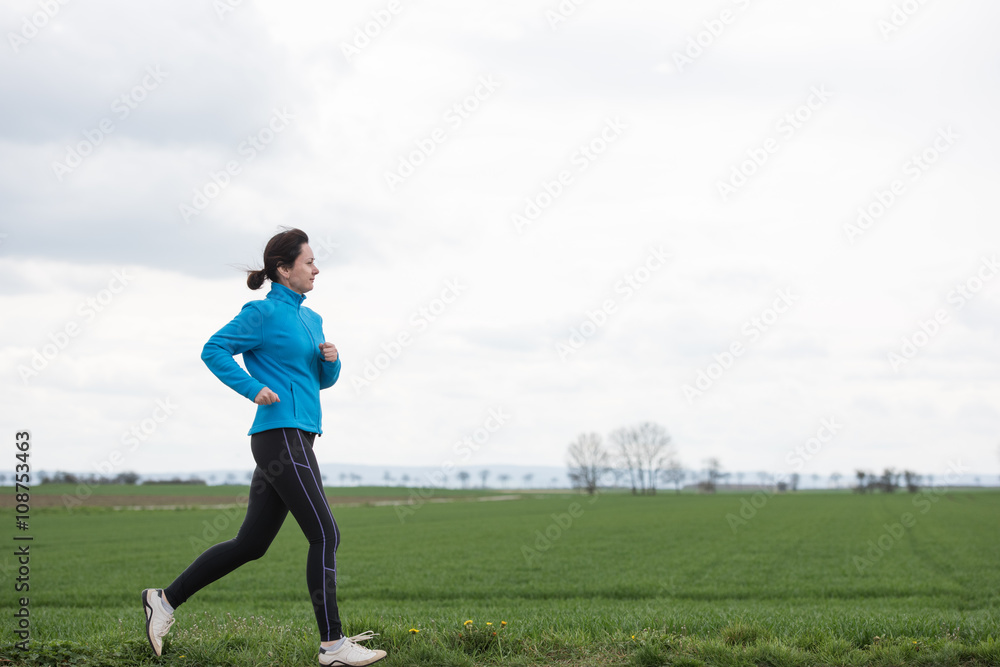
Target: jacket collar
(281,293)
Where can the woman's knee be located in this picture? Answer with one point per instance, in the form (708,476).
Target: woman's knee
(250,548)
(328,540)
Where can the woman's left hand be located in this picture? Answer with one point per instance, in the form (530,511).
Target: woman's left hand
(329,351)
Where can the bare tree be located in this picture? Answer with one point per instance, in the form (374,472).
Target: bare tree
(713,473)
(627,452)
(483,474)
(835,479)
(503,477)
(674,474)
(889,481)
(588,462)
(655,452)
(912,481)
(464,477)
(862,487)
(527,479)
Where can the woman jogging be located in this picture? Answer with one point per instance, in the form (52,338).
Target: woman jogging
(288,361)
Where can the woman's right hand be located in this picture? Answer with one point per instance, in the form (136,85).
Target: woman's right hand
(265,397)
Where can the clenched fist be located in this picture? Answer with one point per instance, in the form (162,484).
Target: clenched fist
(329,351)
(265,397)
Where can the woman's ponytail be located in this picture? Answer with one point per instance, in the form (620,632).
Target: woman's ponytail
(255,279)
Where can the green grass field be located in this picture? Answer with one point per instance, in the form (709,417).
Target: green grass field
(804,579)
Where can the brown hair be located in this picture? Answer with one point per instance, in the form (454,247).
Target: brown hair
(282,250)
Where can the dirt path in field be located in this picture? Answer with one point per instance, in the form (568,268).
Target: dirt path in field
(7,501)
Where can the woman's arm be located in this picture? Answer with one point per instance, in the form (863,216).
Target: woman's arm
(329,366)
(242,334)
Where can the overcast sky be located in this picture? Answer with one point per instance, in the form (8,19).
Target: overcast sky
(754,222)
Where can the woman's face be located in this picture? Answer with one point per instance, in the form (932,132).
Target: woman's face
(301,275)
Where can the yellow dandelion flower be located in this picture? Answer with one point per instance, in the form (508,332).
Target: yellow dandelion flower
(468,622)
(414,631)
(488,623)
(503,623)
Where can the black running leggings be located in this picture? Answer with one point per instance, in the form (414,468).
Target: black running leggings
(286,478)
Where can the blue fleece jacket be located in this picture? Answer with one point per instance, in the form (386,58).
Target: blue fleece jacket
(279,339)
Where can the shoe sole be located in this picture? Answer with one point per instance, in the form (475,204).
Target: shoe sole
(338,663)
(148,610)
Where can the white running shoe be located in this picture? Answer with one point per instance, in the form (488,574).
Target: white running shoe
(158,619)
(351,654)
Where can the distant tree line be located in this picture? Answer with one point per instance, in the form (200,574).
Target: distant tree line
(642,457)
(441,480)
(176,480)
(126,478)
(60,477)
(887,482)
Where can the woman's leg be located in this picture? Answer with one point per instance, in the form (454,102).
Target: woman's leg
(300,487)
(265,514)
